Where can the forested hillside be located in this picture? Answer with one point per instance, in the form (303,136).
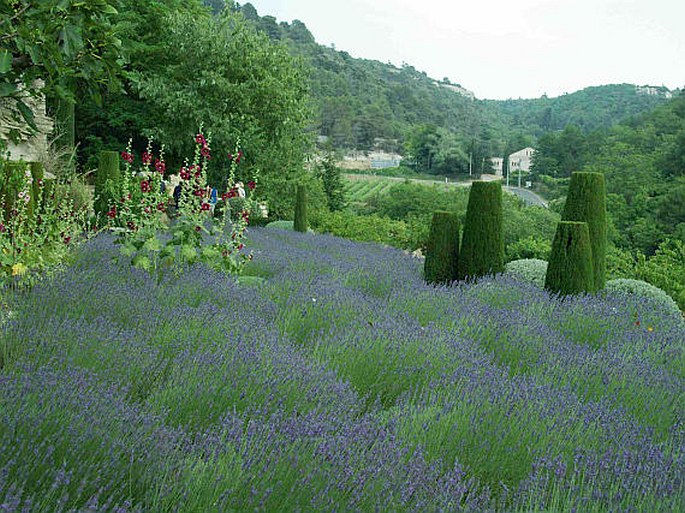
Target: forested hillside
(356,102)
(643,160)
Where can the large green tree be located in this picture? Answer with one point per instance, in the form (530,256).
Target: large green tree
(232,79)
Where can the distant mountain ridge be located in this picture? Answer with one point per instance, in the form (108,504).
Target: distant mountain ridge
(363,104)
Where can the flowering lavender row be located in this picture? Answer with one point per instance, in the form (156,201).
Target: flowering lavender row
(341,383)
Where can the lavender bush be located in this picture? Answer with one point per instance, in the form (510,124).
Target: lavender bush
(339,382)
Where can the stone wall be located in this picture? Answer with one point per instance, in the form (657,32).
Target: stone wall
(32,145)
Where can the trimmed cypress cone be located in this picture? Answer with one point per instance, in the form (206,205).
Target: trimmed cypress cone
(300,224)
(12,170)
(482,245)
(38,174)
(570,263)
(586,202)
(442,249)
(108,169)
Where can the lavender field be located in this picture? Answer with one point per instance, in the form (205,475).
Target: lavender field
(333,379)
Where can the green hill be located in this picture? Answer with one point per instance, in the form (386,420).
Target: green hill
(361,103)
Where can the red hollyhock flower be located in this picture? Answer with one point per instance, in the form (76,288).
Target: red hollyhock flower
(199,193)
(205,206)
(131,225)
(185,175)
(240,155)
(127,157)
(145,186)
(231,194)
(241,245)
(147,158)
(200,139)
(67,240)
(197,228)
(230,157)
(160,166)
(112,213)
(251,185)
(161,207)
(205,152)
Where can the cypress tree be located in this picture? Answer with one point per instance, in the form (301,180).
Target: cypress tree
(570,263)
(300,224)
(10,189)
(442,249)
(108,169)
(482,245)
(37,174)
(586,202)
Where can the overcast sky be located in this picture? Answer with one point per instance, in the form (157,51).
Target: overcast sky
(506,48)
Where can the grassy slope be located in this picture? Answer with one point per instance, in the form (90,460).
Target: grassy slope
(342,381)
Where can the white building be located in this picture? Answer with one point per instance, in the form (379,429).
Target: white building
(497,165)
(520,160)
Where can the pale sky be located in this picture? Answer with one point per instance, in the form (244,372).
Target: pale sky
(506,49)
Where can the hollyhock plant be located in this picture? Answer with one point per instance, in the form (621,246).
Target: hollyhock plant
(36,229)
(194,234)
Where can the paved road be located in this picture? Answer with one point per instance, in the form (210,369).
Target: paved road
(526,195)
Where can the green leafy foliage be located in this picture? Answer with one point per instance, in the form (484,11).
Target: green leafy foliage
(570,263)
(56,41)
(300,223)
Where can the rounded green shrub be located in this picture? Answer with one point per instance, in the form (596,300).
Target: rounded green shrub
(529,270)
(570,263)
(645,291)
(106,177)
(442,248)
(482,246)
(281,224)
(586,202)
(300,224)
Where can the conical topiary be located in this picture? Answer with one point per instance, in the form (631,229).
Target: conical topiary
(570,263)
(11,184)
(442,249)
(300,224)
(38,185)
(482,245)
(586,202)
(108,169)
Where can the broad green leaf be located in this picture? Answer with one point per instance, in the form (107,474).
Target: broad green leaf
(141,261)
(128,249)
(152,244)
(27,114)
(5,61)
(7,88)
(188,252)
